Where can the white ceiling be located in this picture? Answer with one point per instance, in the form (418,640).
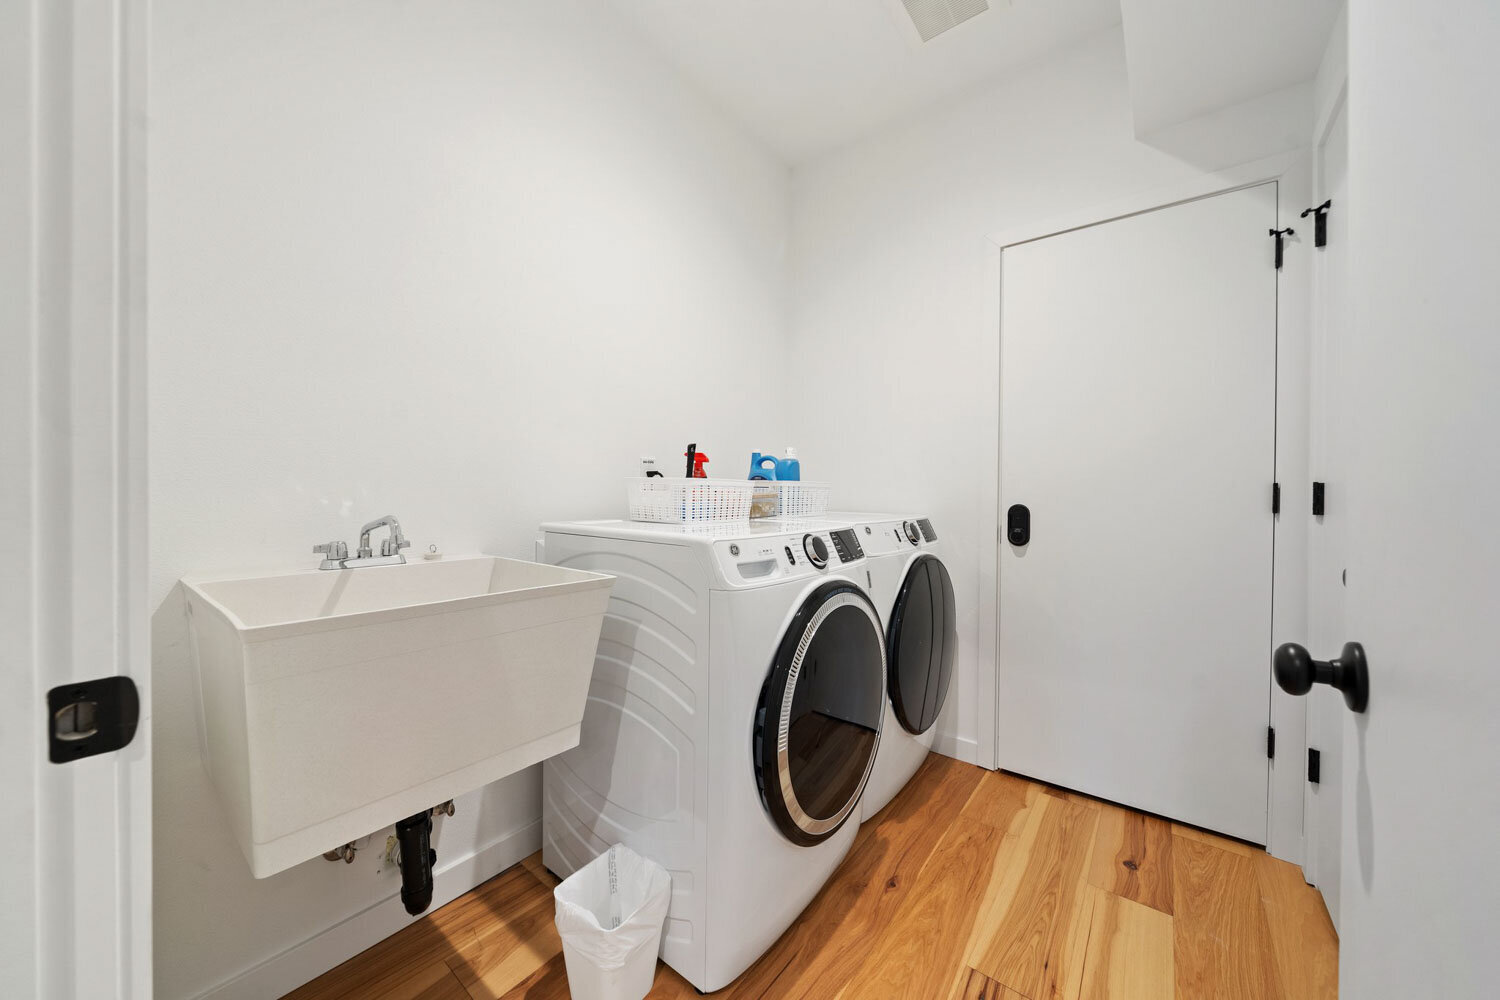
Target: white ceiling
(1190,58)
(807,76)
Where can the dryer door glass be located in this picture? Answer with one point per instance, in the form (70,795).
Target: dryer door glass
(819,716)
(921,644)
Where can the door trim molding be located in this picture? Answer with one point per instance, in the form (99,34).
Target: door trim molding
(77,874)
(1292,171)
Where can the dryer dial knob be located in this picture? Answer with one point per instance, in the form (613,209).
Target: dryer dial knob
(913,535)
(816,549)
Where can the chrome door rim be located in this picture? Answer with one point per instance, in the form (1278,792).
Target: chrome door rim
(806,823)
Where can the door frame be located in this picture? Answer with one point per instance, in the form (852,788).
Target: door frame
(76,876)
(1293,173)
(1319,447)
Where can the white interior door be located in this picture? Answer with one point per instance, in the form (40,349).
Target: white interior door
(1326,714)
(75,873)
(1421,793)
(1138,403)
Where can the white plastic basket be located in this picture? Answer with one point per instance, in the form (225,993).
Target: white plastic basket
(688,501)
(790,499)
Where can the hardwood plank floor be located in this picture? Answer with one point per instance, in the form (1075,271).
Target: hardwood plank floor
(1129,950)
(1221,944)
(923,944)
(1032,933)
(971,885)
(1133,857)
(978,986)
(1303,942)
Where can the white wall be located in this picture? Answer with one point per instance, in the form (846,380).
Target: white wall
(890,287)
(459,261)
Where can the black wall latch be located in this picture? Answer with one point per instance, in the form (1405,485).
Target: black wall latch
(1270,742)
(1314,765)
(1018,524)
(1275,498)
(1318,504)
(1320,222)
(91,717)
(1280,235)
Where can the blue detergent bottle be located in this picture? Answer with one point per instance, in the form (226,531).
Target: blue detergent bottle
(789,469)
(764,466)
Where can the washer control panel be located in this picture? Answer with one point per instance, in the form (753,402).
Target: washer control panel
(758,560)
(846,544)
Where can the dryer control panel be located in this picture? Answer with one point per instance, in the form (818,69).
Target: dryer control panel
(895,535)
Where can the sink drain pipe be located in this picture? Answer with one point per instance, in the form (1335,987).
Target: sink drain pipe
(414,836)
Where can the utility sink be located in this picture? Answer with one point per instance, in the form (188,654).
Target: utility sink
(336,702)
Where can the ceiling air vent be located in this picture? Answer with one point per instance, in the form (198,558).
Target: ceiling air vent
(933,17)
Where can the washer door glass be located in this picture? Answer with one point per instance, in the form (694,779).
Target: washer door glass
(921,643)
(818,721)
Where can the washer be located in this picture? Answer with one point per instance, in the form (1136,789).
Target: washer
(912,589)
(733,720)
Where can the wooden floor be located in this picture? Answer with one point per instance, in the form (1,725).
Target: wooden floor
(971,884)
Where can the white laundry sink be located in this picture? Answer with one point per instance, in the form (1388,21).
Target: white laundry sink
(336,702)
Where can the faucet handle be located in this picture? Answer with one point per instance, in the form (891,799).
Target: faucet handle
(332,552)
(393,545)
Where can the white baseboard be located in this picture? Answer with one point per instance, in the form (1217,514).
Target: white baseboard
(304,962)
(958,747)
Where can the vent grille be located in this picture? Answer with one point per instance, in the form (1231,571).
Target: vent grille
(933,17)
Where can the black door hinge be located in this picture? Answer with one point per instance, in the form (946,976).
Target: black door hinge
(1270,742)
(1275,498)
(1280,235)
(91,717)
(1317,499)
(1320,222)
(1314,765)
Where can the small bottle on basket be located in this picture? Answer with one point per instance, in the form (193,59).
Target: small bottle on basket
(789,469)
(699,460)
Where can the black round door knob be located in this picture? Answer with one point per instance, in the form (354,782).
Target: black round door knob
(1296,673)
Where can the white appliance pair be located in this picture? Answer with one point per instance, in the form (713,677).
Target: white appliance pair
(740,710)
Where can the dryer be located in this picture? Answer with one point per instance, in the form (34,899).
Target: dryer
(733,720)
(913,591)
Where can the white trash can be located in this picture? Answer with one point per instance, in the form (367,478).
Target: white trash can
(610,914)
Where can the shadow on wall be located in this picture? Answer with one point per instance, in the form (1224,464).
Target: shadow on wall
(1364,809)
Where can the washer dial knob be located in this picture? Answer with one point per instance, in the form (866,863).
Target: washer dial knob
(816,549)
(913,535)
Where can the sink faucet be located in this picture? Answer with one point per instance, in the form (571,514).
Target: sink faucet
(391,546)
(336,554)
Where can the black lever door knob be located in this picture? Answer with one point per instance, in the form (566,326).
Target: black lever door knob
(1296,671)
